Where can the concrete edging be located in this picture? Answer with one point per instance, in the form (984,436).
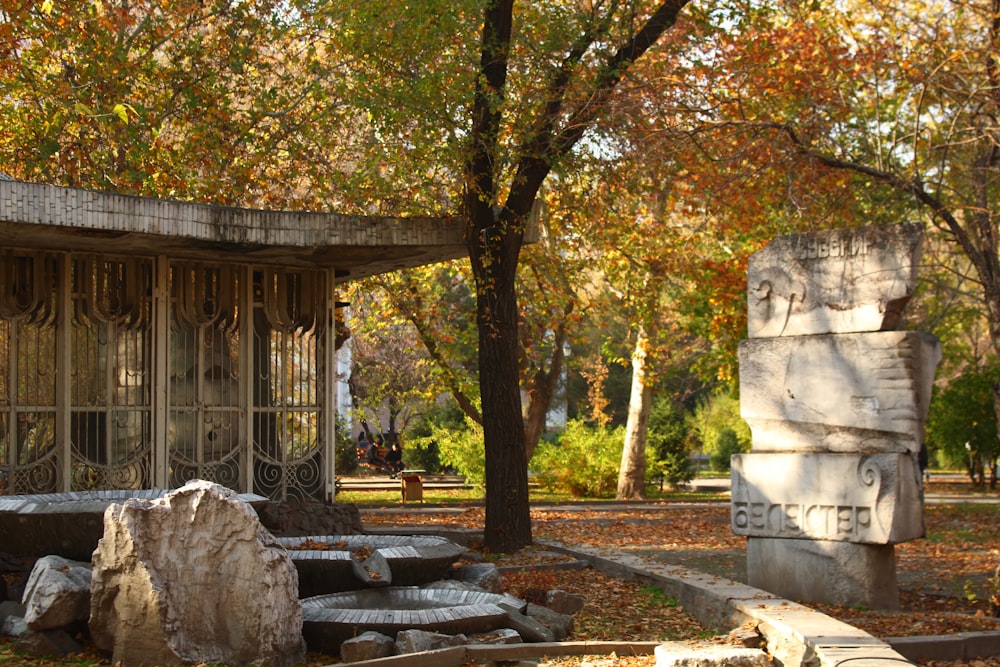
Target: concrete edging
(456,656)
(960,646)
(796,635)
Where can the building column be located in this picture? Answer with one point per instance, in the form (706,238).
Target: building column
(329,406)
(161,375)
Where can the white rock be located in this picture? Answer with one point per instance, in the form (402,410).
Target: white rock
(416,641)
(563,602)
(194,577)
(367,646)
(498,636)
(57,593)
(483,575)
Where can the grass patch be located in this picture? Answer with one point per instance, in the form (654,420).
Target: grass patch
(395,496)
(658,598)
(475,496)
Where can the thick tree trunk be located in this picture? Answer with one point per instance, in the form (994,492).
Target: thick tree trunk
(632,474)
(494,236)
(508,517)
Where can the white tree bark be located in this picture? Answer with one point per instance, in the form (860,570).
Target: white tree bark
(632,473)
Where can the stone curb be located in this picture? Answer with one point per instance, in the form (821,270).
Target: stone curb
(796,635)
(459,655)
(961,646)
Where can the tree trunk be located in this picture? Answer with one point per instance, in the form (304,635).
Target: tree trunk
(540,392)
(632,474)
(508,516)
(494,236)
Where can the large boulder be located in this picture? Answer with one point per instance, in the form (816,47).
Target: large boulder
(193,578)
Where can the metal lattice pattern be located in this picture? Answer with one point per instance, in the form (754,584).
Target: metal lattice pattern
(287,419)
(214,353)
(110,387)
(237,356)
(28,441)
(206,414)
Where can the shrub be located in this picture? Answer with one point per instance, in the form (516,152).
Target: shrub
(458,446)
(726,444)
(422,449)
(715,415)
(583,461)
(962,423)
(668,445)
(345,457)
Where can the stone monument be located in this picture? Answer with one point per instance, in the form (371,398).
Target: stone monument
(836,396)
(193,578)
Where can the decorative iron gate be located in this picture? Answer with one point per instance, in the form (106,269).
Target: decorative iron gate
(141,373)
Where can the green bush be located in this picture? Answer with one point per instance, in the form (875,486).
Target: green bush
(719,413)
(962,424)
(583,461)
(345,457)
(667,443)
(459,447)
(421,449)
(726,444)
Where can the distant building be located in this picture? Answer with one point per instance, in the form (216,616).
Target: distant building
(145,342)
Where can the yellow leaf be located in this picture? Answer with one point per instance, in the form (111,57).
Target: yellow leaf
(121,111)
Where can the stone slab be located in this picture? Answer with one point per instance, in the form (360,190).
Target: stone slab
(838,573)
(864,499)
(844,393)
(834,281)
(677,654)
(940,647)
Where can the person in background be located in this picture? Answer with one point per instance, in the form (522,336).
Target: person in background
(371,453)
(394,458)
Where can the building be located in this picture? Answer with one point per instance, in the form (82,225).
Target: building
(144,343)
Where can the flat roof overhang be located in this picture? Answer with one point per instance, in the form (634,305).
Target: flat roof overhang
(47,217)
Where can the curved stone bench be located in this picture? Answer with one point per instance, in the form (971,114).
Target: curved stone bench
(412,560)
(329,620)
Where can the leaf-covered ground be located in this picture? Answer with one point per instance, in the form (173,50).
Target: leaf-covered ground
(944,579)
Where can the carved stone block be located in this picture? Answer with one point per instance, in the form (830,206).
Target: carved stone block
(872,499)
(836,281)
(843,393)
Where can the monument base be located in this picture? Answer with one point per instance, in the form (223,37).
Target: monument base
(839,573)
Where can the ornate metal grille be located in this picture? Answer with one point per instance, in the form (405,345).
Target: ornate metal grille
(206,413)
(287,327)
(29,460)
(140,372)
(110,430)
